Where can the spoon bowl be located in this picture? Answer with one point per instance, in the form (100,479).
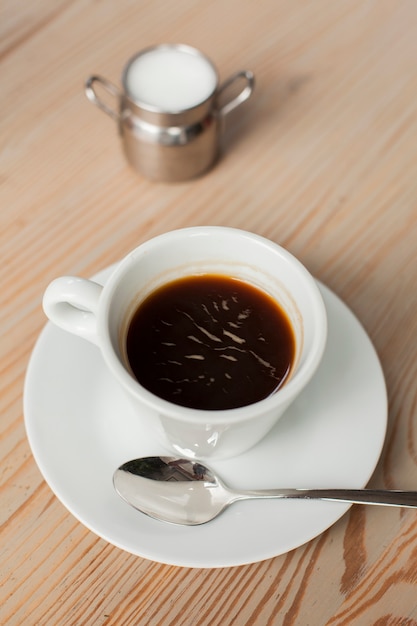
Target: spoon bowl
(182,491)
(172,490)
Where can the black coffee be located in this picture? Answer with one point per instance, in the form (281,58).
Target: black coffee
(210,342)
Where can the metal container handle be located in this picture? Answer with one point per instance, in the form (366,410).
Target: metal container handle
(243,95)
(227,108)
(93,97)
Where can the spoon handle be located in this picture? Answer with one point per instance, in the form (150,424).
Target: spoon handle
(354,496)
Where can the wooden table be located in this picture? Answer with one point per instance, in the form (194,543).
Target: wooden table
(323,160)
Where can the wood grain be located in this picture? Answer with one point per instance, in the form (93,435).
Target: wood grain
(322,159)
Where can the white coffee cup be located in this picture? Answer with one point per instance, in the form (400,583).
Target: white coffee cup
(102,314)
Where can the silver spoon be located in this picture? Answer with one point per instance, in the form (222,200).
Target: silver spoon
(186,492)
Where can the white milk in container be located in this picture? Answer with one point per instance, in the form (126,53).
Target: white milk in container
(169,117)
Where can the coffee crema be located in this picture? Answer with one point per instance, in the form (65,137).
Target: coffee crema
(210,342)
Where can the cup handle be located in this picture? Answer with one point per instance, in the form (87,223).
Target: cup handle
(93,97)
(71,303)
(243,95)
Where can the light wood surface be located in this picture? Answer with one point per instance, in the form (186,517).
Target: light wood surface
(323,160)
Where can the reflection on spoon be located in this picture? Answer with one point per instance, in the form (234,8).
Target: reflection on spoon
(186,492)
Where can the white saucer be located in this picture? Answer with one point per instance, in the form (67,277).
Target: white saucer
(81,428)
